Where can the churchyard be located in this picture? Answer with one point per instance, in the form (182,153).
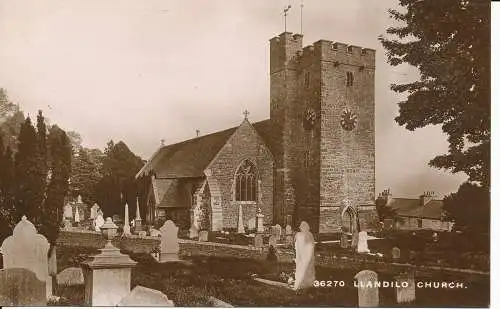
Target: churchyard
(163,269)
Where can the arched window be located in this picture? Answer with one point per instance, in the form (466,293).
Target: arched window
(246,182)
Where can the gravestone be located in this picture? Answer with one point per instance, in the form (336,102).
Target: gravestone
(169,242)
(126,224)
(77,215)
(367,291)
(272,241)
(28,249)
(259,240)
(67,224)
(93,211)
(142,234)
(241,226)
(396,253)
(354,240)
(344,241)
(203,236)
(142,297)
(405,288)
(99,221)
(70,276)
(260,221)
(251,224)
(276,232)
(288,235)
(193,232)
(53,261)
(363,242)
(68,211)
(304,258)
(21,287)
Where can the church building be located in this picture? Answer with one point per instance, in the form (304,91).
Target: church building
(313,160)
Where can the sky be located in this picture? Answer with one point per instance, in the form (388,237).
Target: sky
(143,71)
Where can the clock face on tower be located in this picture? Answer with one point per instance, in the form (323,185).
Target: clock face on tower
(309,118)
(348,120)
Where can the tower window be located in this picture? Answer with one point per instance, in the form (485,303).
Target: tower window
(350,79)
(306,80)
(246,182)
(306,159)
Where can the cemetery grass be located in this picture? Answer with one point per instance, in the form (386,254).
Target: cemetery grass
(231,280)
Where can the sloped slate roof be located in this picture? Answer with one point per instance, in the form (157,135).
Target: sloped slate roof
(190,158)
(173,194)
(407,207)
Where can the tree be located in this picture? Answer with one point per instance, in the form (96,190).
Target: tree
(449,42)
(120,165)
(7,221)
(30,178)
(60,168)
(11,119)
(469,208)
(42,149)
(85,174)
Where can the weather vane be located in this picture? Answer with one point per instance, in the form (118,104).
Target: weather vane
(301,9)
(285,13)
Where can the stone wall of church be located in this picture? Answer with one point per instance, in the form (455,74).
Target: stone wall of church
(244,144)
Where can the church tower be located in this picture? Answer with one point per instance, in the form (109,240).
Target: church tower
(322,109)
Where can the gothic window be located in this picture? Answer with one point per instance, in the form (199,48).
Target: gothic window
(246,182)
(350,79)
(306,80)
(306,159)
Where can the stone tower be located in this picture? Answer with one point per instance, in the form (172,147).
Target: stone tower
(322,109)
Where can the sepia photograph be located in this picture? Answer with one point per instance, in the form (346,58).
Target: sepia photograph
(231,153)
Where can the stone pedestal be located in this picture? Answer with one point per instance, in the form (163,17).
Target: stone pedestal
(107,277)
(260,223)
(137,225)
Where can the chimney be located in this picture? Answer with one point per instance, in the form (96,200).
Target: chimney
(426,198)
(197,133)
(162,142)
(385,196)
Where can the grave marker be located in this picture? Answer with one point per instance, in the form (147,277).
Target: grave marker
(141,297)
(363,242)
(396,253)
(169,242)
(405,288)
(21,287)
(203,236)
(367,291)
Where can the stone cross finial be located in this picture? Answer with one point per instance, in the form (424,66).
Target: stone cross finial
(162,142)
(246,113)
(24,218)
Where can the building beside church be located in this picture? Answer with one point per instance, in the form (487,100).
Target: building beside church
(313,160)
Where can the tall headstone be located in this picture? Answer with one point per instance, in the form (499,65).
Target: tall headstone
(396,253)
(251,223)
(68,212)
(367,291)
(304,258)
(93,211)
(79,199)
(138,220)
(28,249)
(203,236)
(193,232)
(259,241)
(260,221)
(99,221)
(169,242)
(363,242)
(405,288)
(77,215)
(276,232)
(273,242)
(241,226)
(288,235)
(126,226)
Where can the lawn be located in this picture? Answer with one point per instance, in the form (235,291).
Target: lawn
(231,280)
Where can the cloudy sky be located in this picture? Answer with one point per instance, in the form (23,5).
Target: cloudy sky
(142,71)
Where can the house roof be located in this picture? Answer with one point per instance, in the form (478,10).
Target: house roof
(406,207)
(190,158)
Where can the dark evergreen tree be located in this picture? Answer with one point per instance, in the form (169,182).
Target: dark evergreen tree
(60,168)
(30,176)
(86,174)
(6,205)
(119,168)
(449,42)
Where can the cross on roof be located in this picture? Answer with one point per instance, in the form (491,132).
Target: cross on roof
(246,113)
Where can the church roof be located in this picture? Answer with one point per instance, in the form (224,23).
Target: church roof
(189,158)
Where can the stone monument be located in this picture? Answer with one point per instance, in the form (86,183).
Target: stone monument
(108,275)
(260,221)
(367,291)
(138,220)
(126,226)
(288,235)
(193,232)
(363,242)
(29,250)
(304,258)
(241,226)
(99,221)
(169,242)
(405,289)
(396,253)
